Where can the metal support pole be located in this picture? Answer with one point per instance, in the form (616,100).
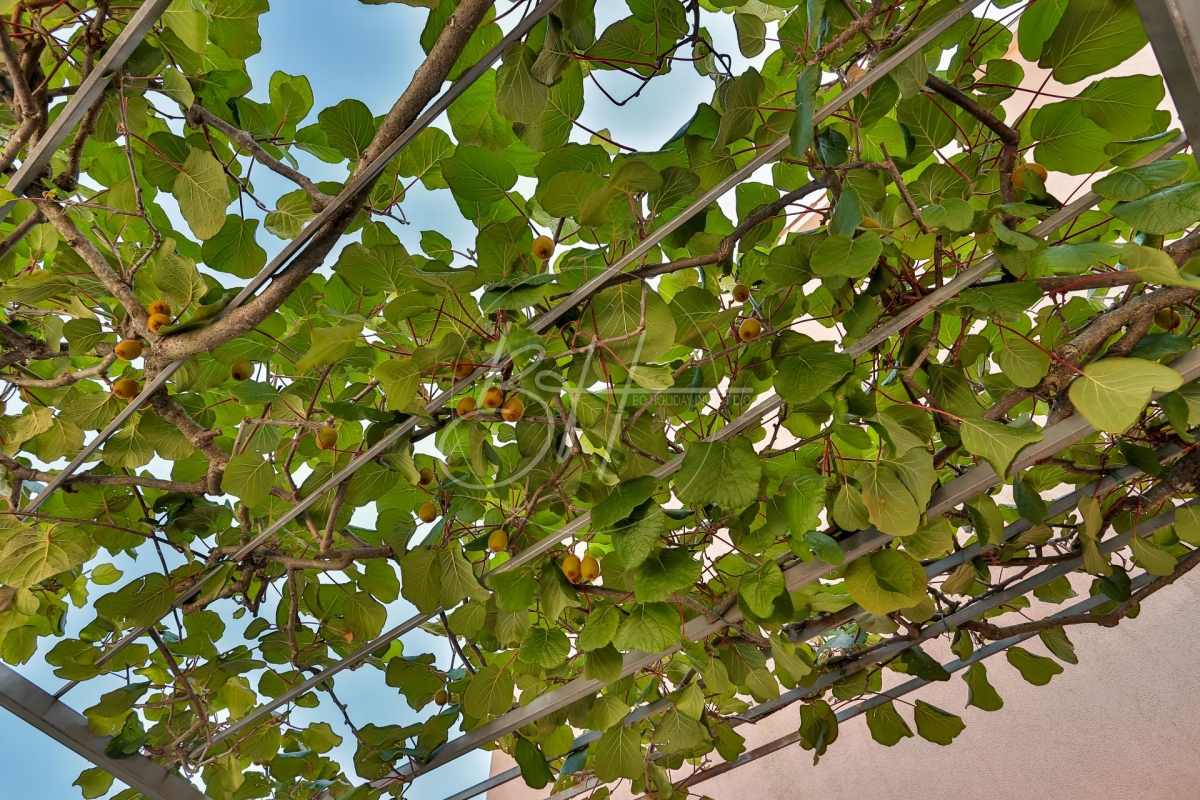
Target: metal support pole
(1173,27)
(68,727)
(89,92)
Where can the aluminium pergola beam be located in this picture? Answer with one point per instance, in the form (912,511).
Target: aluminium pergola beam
(1173,27)
(68,727)
(540,324)
(88,93)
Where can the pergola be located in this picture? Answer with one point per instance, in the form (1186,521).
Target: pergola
(1173,27)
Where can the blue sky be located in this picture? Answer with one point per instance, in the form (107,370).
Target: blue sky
(348,49)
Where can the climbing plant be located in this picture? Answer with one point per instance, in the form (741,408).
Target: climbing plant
(757,477)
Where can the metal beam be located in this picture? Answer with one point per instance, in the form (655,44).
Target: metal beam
(68,727)
(88,93)
(1173,27)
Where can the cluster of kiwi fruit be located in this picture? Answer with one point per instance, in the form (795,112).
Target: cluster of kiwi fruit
(750,328)
(159,314)
(576,569)
(512,409)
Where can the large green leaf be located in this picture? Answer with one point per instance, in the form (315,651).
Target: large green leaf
(203,193)
(886,581)
(1093,36)
(997,442)
(1112,392)
(724,473)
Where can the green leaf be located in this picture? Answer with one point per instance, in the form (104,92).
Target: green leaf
(600,628)
(29,556)
(234,28)
(400,379)
(890,506)
(842,256)
(886,581)
(996,442)
(1006,300)
(203,193)
(1112,392)
(477,175)
(1093,36)
(1035,669)
(650,627)
(751,34)
(349,127)
(421,578)
(292,210)
(176,87)
(1137,182)
(1187,524)
(807,83)
(235,248)
(724,473)
(886,725)
(740,101)
(534,769)
(1056,641)
(980,692)
(935,725)
(619,754)
(1023,362)
(818,727)
(489,693)
(806,372)
(603,664)
(664,573)
(1124,106)
(1151,557)
(636,536)
(1038,22)
(187,20)
(364,615)
(1163,212)
(94,782)
(760,588)
(520,96)
(329,345)
(249,478)
(545,647)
